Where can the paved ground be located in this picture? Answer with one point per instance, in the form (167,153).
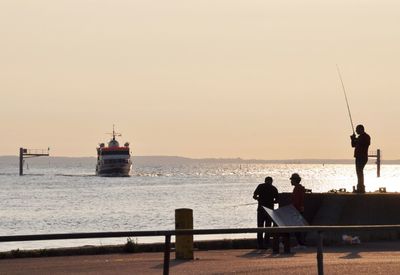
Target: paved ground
(371,258)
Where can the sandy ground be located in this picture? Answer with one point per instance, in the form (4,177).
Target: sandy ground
(371,258)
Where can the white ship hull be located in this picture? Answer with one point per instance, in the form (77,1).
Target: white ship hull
(113,170)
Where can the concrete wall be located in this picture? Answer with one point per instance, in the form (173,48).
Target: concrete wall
(351,209)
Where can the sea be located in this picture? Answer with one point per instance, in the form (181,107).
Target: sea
(63,195)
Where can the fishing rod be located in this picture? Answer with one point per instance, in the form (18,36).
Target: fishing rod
(345,96)
(244,204)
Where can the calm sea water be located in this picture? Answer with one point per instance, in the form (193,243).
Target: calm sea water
(67,198)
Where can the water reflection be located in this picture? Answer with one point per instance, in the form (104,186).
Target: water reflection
(219,194)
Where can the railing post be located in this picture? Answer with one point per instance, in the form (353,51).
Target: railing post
(378,163)
(320,256)
(21,161)
(167,251)
(184,243)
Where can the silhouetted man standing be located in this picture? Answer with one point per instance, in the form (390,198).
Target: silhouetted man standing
(360,144)
(298,197)
(267,195)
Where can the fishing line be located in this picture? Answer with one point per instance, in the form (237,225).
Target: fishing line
(245,204)
(345,96)
(238,205)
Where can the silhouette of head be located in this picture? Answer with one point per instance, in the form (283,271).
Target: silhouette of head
(360,129)
(268,180)
(295,179)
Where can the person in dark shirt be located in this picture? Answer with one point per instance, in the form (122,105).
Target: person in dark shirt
(298,196)
(266,194)
(360,144)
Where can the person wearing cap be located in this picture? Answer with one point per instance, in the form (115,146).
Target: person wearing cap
(298,196)
(266,194)
(360,145)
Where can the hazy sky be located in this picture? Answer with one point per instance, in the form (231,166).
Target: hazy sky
(220,78)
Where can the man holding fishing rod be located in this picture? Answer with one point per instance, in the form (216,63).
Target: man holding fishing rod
(266,194)
(360,144)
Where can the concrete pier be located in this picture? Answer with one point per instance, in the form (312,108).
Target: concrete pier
(351,209)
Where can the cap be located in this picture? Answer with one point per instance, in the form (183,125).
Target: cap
(295,176)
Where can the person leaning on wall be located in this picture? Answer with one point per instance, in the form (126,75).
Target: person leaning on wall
(298,196)
(267,195)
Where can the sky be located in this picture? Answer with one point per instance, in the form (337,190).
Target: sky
(221,78)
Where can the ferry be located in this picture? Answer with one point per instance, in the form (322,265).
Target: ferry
(113,160)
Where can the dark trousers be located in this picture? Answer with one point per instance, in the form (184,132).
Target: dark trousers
(300,236)
(360,164)
(263,220)
(286,243)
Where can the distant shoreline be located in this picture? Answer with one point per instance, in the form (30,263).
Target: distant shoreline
(185,160)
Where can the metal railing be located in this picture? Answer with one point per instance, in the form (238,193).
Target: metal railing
(36,152)
(168,233)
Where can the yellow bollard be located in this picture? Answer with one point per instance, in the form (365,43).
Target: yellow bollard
(184,243)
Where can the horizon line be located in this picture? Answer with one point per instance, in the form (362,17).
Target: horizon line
(218,158)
